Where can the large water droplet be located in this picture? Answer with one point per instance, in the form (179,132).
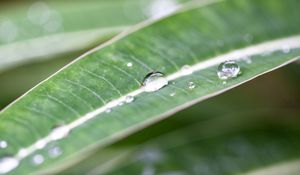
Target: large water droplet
(186,70)
(37,159)
(129,99)
(54,151)
(7,164)
(3,144)
(191,85)
(154,81)
(228,69)
(60,132)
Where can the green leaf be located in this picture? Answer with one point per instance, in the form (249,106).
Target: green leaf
(202,36)
(36,31)
(242,144)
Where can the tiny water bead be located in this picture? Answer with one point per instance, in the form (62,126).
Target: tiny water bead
(108,110)
(172,94)
(54,151)
(228,69)
(129,64)
(7,164)
(191,85)
(37,159)
(154,81)
(3,144)
(129,99)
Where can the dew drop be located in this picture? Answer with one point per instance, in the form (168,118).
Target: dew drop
(129,99)
(7,164)
(37,159)
(54,151)
(154,81)
(224,82)
(191,85)
(228,69)
(172,94)
(60,132)
(129,64)
(186,70)
(3,144)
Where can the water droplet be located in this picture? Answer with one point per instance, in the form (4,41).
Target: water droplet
(3,144)
(54,151)
(129,99)
(129,64)
(37,159)
(186,70)
(154,81)
(224,82)
(191,85)
(285,49)
(7,164)
(228,69)
(60,132)
(172,94)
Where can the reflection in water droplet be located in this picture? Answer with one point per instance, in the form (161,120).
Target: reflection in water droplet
(186,70)
(7,164)
(129,64)
(154,81)
(172,94)
(228,69)
(60,132)
(191,85)
(129,99)
(285,49)
(3,144)
(37,159)
(54,151)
